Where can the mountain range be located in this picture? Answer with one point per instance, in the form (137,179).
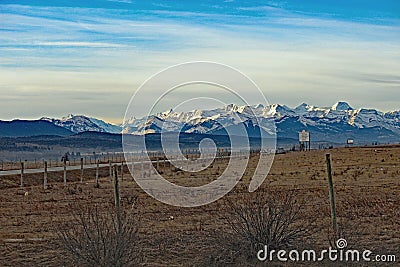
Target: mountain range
(81,123)
(336,123)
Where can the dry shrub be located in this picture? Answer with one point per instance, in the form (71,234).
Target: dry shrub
(275,219)
(100,237)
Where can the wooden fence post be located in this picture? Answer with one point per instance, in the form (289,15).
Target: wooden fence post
(133,167)
(122,171)
(332,195)
(97,173)
(110,170)
(142,168)
(65,173)
(116,189)
(45,176)
(164,165)
(22,175)
(170,167)
(81,170)
(150,167)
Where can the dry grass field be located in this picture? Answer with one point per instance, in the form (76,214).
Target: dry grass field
(367,188)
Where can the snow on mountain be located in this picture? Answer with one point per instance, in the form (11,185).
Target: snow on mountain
(342,106)
(196,121)
(107,127)
(337,122)
(367,118)
(278,111)
(81,123)
(324,121)
(302,108)
(393,115)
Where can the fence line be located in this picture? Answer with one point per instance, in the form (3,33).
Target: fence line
(140,166)
(104,158)
(148,167)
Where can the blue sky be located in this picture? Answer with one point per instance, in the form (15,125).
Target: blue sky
(60,57)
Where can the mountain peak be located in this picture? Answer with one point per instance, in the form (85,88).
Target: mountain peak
(304,104)
(82,123)
(166,112)
(303,107)
(69,116)
(341,106)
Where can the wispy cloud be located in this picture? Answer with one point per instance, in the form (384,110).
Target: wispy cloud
(261,8)
(67,52)
(121,1)
(80,44)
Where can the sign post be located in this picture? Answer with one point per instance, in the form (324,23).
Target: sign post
(304,140)
(350,142)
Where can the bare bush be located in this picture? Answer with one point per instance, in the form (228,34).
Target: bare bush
(274,219)
(100,237)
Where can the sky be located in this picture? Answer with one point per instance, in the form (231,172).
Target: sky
(89,57)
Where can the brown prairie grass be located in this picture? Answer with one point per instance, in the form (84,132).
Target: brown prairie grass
(367,193)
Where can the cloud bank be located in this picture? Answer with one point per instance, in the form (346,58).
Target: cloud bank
(90,59)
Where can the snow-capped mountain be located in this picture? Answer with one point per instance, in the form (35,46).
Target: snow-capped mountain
(81,123)
(338,122)
(342,106)
(107,127)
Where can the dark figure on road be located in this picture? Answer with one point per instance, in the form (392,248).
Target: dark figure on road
(65,158)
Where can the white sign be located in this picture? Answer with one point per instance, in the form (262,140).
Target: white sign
(350,141)
(304,136)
